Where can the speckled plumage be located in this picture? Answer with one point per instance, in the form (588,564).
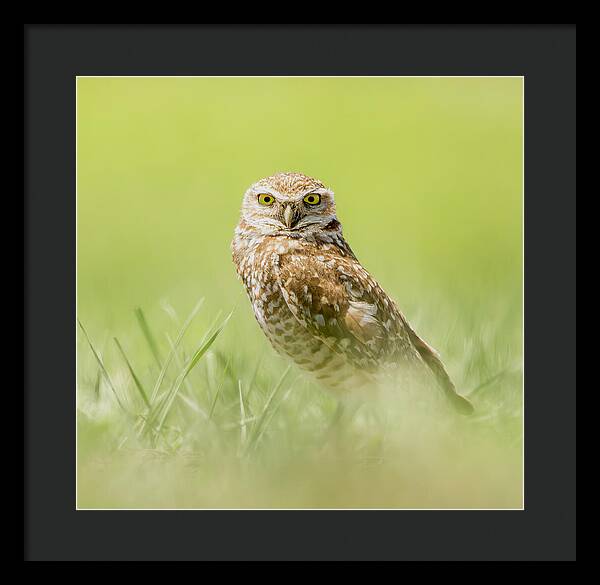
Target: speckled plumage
(313,299)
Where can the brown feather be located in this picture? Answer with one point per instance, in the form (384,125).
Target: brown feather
(311,296)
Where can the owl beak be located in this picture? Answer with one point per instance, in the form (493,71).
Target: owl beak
(288,216)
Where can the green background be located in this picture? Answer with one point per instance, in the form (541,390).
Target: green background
(427,174)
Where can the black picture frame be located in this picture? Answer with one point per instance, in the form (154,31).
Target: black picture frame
(544,54)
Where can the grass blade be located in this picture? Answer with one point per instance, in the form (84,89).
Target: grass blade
(180,335)
(165,407)
(97,384)
(270,416)
(189,400)
(260,425)
(488,382)
(202,350)
(143,323)
(136,380)
(253,378)
(101,364)
(242,416)
(169,310)
(193,405)
(218,392)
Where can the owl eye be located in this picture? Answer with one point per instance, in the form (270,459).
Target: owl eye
(266,199)
(312,199)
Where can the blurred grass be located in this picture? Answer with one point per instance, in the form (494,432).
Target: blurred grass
(428,180)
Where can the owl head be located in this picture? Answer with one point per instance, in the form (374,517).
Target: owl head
(290,203)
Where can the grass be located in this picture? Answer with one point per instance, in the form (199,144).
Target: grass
(181,403)
(221,431)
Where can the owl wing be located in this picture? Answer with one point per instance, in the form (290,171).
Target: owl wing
(337,300)
(431,357)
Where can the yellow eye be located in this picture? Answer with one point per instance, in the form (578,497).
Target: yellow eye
(312,199)
(266,199)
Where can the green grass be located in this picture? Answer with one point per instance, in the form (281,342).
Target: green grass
(182,403)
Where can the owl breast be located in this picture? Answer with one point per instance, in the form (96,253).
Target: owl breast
(259,271)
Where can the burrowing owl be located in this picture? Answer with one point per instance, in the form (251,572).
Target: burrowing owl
(311,296)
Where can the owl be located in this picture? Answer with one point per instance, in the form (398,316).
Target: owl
(313,299)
